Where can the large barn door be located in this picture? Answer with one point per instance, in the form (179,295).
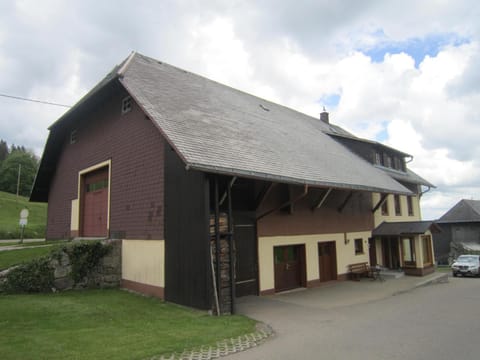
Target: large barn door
(95,203)
(246,256)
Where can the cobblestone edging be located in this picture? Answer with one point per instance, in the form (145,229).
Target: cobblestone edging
(224,347)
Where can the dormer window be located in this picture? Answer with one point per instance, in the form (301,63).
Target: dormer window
(126,105)
(388,161)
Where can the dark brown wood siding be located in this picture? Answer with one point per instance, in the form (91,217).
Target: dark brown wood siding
(188,277)
(300,219)
(136,150)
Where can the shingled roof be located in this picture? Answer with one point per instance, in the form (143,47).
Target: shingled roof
(404,228)
(218,129)
(463,211)
(215,128)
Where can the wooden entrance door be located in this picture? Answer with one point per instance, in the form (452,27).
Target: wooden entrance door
(289,267)
(245,237)
(372,251)
(327,260)
(391,254)
(95,204)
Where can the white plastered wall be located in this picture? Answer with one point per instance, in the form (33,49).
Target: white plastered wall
(345,249)
(391,217)
(143,261)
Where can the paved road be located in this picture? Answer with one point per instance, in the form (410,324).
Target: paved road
(440,322)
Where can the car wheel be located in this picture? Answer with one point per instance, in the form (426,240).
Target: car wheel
(454,274)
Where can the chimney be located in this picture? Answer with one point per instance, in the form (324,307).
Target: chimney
(324,116)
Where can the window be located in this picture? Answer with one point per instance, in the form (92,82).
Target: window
(378,158)
(385,207)
(408,251)
(101,184)
(73,136)
(387,160)
(126,105)
(397,163)
(427,249)
(410,205)
(358,246)
(398,208)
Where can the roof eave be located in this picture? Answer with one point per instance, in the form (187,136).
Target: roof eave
(290,180)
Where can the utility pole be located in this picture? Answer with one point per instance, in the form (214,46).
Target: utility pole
(18,179)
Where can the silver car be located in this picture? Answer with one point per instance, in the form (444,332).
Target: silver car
(466,265)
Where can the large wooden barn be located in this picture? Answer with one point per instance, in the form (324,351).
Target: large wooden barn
(216,193)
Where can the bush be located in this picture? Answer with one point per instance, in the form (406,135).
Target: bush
(84,257)
(32,277)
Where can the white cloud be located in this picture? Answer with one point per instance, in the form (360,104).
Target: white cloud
(289,52)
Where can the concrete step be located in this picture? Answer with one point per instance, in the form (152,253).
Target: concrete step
(391,274)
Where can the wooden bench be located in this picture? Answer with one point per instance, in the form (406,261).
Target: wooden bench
(358,270)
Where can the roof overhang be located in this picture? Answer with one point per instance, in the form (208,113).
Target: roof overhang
(405,228)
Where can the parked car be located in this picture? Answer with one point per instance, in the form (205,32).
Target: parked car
(466,265)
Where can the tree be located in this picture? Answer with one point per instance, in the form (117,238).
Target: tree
(9,172)
(3,150)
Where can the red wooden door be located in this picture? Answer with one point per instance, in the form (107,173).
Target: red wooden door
(95,204)
(327,260)
(289,267)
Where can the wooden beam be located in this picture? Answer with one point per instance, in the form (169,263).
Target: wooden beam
(321,200)
(380,202)
(285,204)
(263,195)
(345,202)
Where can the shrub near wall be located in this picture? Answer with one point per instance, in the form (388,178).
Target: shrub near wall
(74,266)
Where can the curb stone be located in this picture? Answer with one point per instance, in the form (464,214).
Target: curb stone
(224,347)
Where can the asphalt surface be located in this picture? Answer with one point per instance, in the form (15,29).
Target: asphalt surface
(439,321)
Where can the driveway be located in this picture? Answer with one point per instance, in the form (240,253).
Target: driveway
(439,321)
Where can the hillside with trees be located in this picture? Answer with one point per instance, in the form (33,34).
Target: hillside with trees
(18,167)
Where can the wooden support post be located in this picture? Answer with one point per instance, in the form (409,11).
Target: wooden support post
(231,246)
(381,201)
(322,199)
(217,246)
(263,195)
(288,203)
(347,199)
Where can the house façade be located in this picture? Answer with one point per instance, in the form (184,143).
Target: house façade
(216,193)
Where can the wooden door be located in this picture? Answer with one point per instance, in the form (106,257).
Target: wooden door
(372,251)
(391,255)
(289,267)
(245,237)
(95,204)
(327,260)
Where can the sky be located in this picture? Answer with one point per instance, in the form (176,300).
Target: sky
(404,73)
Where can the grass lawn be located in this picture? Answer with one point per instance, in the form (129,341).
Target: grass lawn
(10,208)
(105,324)
(444,268)
(13,257)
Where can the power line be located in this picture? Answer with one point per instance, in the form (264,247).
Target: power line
(33,100)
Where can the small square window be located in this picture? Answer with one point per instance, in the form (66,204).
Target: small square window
(73,136)
(126,104)
(358,246)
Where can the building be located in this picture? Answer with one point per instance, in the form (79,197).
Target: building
(460,231)
(216,193)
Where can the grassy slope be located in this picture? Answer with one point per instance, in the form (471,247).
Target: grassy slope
(10,208)
(14,257)
(105,324)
